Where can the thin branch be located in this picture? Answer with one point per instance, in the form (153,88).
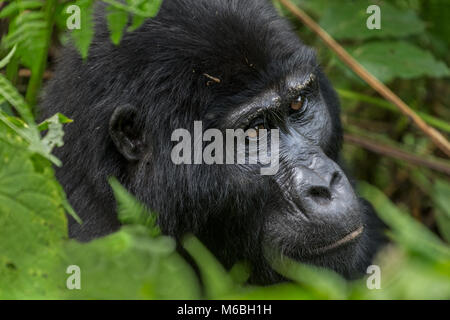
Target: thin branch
(392,152)
(378,102)
(439,140)
(26,73)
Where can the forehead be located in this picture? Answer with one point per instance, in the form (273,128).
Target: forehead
(231,40)
(226,51)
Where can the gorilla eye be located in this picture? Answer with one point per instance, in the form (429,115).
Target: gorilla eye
(253,132)
(298,103)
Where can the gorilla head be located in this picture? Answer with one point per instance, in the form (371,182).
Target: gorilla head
(230,64)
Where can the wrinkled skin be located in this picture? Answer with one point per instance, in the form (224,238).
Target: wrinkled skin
(126,101)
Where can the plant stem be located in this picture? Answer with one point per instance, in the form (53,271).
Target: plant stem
(438,123)
(37,72)
(392,152)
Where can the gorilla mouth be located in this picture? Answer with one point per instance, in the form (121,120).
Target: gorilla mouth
(348,238)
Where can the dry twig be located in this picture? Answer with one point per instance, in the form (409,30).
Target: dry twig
(392,152)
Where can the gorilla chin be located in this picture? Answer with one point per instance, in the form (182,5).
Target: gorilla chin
(348,253)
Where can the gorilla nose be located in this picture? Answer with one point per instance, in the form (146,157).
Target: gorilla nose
(328,195)
(323,193)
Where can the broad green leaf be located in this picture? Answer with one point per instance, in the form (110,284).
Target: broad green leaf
(347,20)
(130,265)
(387,60)
(32,222)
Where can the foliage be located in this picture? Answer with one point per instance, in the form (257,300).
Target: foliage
(32,24)
(31,219)
(388,60)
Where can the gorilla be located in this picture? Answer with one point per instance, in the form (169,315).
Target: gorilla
(230,64)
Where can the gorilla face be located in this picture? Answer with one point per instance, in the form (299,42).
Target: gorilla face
(307,210)
(317,209)
(230,64)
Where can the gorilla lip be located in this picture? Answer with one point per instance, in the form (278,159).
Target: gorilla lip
(349,237)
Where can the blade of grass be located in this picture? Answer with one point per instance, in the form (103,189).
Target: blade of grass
(438,123)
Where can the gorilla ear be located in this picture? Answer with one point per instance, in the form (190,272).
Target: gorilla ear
(125,133)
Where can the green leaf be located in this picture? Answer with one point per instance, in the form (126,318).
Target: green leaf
(441,197)
(137,21)
(4,107)
(29,32)
(217,281)
(117,20)
(30,131)
(55,134)
(387,60)
(130,265)
(141,8)
(131,211)
(347,20)
(17,6)
(282,291)
(35,253)
(324,283)
(151,8)
(83,36)
(32,222)
(58,117)
(409,233)
(8,57)
(10,93)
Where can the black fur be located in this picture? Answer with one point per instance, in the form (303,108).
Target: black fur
(160,71)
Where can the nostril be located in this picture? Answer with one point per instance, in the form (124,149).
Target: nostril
(335,179)
(320,195)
